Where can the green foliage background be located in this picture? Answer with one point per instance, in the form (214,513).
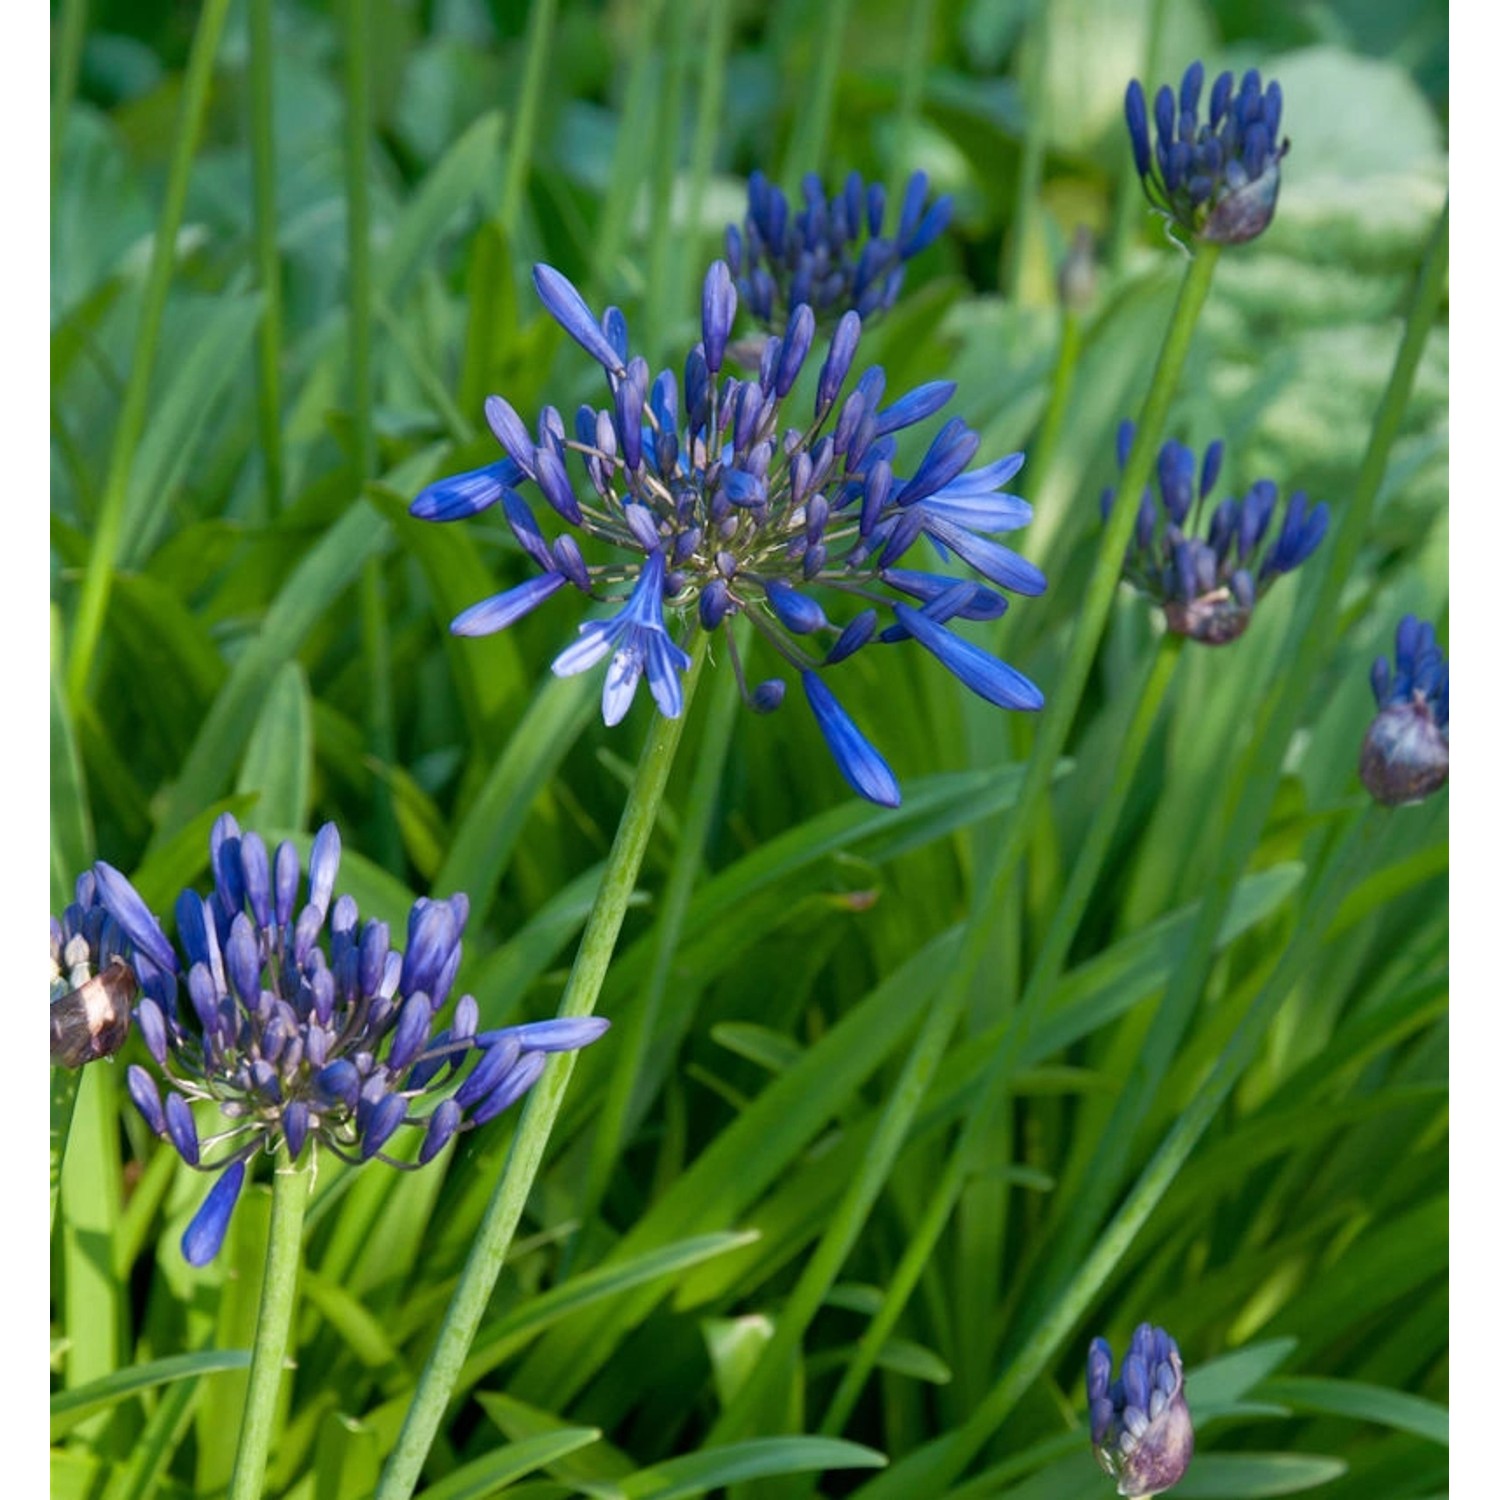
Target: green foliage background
(231,460)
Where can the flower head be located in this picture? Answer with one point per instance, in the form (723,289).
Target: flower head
(711,505)
(1404,757)
(301,1026)
(1140,1424)
(1209,583)
(832,255)
(1215,180)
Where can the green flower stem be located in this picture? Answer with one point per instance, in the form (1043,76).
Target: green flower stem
(93,601)
(705,135)
(1033,150)
(267,262)
(64,1095)
(965,1160)
(291,1186)
(1349,864)
(664,247)
(848,1218)
(637,1028)
(809,140)
(73,30)
(1128,200)
(540,20)
(914,70)
(1082,1204)
(487,1257)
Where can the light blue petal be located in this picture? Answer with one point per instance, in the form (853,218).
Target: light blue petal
(495,613)
(861,764)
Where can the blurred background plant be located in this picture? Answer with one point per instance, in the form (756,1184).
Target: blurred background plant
(291,255)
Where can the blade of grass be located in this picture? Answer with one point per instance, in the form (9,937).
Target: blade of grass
(267,260)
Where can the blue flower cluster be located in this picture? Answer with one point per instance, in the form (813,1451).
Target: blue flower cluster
(712,505)
(1140,1425)
(1216,180)
(832,255)
(302,1025)
(1209,584)
(1404,757)
(93,983)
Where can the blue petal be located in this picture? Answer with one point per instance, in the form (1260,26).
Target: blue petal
(998,564)
(986,675)
(462,495)
(495,613)
(204,1236)
(855,756)
(564,1034)
(561,298)
(134,918)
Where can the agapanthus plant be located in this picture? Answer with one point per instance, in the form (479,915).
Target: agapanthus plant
(832,254)
(303,1028)
(1209,583)
(1139,1423)
(1404,757)
(712,505)
(1213,180)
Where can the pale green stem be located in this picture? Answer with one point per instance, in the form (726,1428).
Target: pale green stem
(93,602)
(492,1241)
(64,1095)
(1129,199)
(1033,151)
(706,126)
(815,116)
(914,72)
(291,1186)
(539,24)
(268,264)
(74,30)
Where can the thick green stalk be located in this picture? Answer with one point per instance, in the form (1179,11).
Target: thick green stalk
(374,628)
(539,23)
(989,888)
(64,1095)
(492,1242)
(291,1186)
(1250,790)
(1060,933)
(93,602)
(267,262)
(809,141)
(636,1031)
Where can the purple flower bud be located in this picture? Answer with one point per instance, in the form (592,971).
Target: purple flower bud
(441,1125)
(1140,1426)
(561,298)
(510,1088)
(718,314)
(181,1129)
(204,1236)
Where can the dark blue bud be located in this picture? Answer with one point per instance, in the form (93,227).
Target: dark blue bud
(120,899)
(718,314)
(568,561)
(796,611)
(256,867)
(496,1062)
(857,759)
(412,1027)
(561,298)
(510,432)
(338,1083)
(994,680)
(381,1125)
(1218,103)
(322,866)
(767,696)
(552,480)
(510,1088)
(204,1236)
(1213,461)
(1135,123)
(441,1125)
(143,1091)
(616,331)
(714,603)
(799,336)
(242,960)
(181,1129)
(856,634)
(522,523)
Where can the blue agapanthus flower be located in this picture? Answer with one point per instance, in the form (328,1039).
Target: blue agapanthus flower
(1404,757)
(303,1028)
(833,254)
(1213,179)
(1139,1423)
(710,504)
(1208,570)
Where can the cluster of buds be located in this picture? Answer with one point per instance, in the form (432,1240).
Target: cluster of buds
(1208,584)
(712,506)
(832,256)
(1404,757)
(1139,1423)
(1215,180)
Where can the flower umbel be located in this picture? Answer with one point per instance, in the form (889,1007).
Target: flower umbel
(93,982)
(832,255)
(1140,1425)
(714,506)
(1404,757)
(1208,584)
(300,1036)
(1215,180)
